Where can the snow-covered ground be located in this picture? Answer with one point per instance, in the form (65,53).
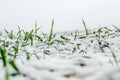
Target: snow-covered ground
(68,56)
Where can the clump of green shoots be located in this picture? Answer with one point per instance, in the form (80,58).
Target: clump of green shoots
(9,34)
(28,36)
(32,35)
(6,62)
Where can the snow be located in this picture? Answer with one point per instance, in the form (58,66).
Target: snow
(62,62)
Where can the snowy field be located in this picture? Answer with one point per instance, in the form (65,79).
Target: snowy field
(78,55)
(69,51)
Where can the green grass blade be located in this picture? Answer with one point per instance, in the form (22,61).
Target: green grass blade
(118,29)
(16,49)
(99,32)
(7,74)
(31,39)
(36,29)
(28,56)
(84,24)
(63,37)
(114,57)
(51,31)
(3,55)
(14,66)
(39,38)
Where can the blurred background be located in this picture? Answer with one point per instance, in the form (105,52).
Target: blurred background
(67,14)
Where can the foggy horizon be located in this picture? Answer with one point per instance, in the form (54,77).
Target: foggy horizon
(67,14)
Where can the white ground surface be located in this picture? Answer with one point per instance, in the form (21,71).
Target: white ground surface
(62,62)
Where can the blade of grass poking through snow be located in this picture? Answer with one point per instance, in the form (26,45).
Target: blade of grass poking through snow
(114,57)
(75,36)
(26,36)
(3,55)
(100,45)
(30,36)
(118,29)
(39,38)
(51,31)
(7,74)
(31,39)
(36,28)
(14,66)
(4,44)
(84,24)
(82,37)
(27,56)
(44,35)
(19,33)
(4,60)
(99,32)
(63,37)
(15,50)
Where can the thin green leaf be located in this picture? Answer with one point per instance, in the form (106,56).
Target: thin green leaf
(63,37)
(114,57)
(14,66)
(86,30)
(3,55)
(51,31)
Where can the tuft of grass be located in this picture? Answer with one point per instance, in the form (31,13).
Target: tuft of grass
(9,34)
(29,36)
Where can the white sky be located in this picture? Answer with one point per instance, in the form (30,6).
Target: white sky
(68,14)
